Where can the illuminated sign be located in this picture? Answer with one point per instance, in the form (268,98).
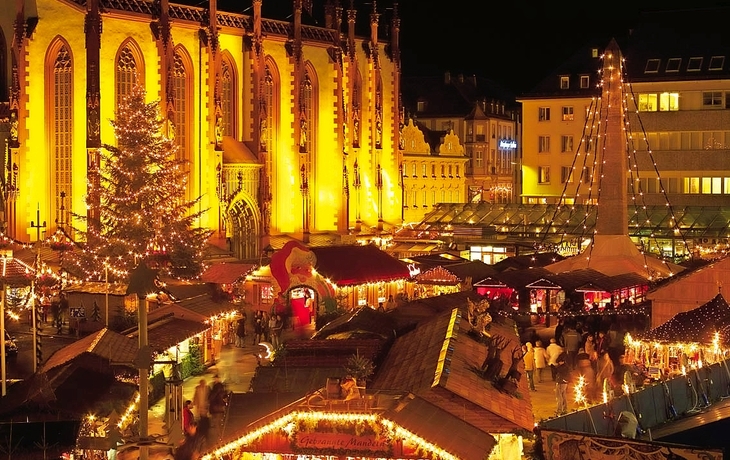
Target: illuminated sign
(507,144)
(413,270)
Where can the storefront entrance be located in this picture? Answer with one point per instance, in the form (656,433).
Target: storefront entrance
(302,301)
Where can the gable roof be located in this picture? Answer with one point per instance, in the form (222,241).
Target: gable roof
(355,264)
(105,343)
(226,273)
(438,362)
(169,331)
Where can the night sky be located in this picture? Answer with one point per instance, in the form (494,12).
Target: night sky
(515,43)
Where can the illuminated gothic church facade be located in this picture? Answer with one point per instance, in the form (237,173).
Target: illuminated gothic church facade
(287,128)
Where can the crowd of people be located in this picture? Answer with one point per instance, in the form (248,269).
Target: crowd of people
(266,328)
(594,351)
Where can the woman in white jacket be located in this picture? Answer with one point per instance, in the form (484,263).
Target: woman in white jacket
(540,360)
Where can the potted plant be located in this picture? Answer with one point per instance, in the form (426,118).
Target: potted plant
(361,368)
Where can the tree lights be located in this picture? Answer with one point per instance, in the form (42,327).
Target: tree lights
(139,189)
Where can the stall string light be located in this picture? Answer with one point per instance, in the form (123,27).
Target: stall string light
(288,424)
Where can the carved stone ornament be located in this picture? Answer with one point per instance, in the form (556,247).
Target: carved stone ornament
(413,140)
(451,145)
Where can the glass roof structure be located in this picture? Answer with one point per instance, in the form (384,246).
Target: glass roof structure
(551,223)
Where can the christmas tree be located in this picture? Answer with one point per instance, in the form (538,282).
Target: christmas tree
(137,202)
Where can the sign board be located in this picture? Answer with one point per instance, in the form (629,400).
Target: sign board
(507,144)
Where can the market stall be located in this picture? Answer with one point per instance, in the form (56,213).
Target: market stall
(688,340)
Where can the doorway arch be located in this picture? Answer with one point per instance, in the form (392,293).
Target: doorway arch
(244,237)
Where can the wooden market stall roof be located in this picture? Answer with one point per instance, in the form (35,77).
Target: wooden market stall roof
(698,325)
(358,264)
(169,331)
(105,343)
(226,273)
(438,361)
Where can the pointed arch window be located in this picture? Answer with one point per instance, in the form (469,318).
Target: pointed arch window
(127,73)
(181,102)
(228,98)
(378,113)
(61,114)
(308,113)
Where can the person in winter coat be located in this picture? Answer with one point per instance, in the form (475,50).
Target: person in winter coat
(540,360)
(529,358)
(552,352)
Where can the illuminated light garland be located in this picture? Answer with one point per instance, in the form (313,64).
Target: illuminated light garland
(288,424)
(138,195)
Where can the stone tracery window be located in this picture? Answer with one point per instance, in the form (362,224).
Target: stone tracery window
(127,73)
(228,98)
(61,101)
(180,100)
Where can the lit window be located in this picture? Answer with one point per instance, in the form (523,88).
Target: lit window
(648,102)
(567,113)
(543,145)
(479,158)
(61,112)
(180,84)
(712,99)
(694,64)
(566,144)
(543,175)
(566,174)
(421,106)
(587,175)
(585,81)
(543,114)
(652,65)
(127,73)
(717,62)
(564,82)
(668,102)
(424,170)
(227,98)
(673,64)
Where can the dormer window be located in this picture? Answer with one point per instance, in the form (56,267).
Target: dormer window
(594,52)
(717,62)
(673,64)
(652,66)
(421,106)
(694,64)
(564,82)
(585,81)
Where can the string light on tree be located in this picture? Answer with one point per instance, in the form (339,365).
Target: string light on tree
(138,191)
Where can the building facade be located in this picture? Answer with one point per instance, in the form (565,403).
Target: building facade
(483,115)
(272,116)
(677,100)
(431,177)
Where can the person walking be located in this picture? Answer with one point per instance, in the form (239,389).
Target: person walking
(275,330)
(241,331)
(562,371)
(529,358)
(217,399)
(540,360)
(200,399)
(571,342)
(590,349)
(258,327)
(552,352)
